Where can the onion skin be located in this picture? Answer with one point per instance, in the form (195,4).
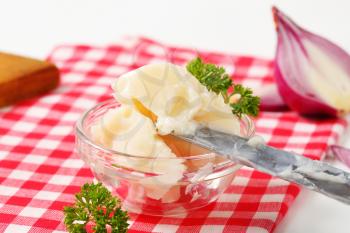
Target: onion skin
(290,57)
(270,99)
(342,153)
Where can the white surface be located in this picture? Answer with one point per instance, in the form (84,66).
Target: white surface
(242,27)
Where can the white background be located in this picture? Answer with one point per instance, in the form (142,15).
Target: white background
(242,27)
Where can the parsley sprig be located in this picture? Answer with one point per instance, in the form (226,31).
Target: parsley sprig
(95,205)
(241,99)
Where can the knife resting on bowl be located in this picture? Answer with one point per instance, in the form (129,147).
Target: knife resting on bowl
(315,175)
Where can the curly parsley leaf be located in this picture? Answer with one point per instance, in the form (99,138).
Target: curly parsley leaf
(211,76)
(96,206)
(215,79)
(247,104)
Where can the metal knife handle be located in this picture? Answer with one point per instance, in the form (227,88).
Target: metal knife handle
(315,175)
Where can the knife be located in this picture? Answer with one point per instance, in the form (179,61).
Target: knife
(315,175)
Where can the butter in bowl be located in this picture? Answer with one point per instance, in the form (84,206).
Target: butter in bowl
(128,142)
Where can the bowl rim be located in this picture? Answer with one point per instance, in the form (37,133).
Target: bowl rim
(82,134)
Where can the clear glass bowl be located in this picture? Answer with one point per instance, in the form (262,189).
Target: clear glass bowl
(207,175)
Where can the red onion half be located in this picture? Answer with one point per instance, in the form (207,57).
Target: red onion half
(312,73)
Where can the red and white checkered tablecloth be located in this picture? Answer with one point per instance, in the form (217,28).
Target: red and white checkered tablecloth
(39,173)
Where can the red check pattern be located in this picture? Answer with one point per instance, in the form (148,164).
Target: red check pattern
(39,173)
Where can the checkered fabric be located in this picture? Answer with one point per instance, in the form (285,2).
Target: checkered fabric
(39,173)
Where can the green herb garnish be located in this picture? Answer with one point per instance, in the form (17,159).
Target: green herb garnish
(215,78)
(96,206)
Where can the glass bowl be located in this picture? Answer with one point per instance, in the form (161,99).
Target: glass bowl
(207,175)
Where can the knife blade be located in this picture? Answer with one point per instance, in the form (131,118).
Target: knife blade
(315,175)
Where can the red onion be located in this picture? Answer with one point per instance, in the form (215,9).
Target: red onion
(342,153)
(270,99)
(312,73)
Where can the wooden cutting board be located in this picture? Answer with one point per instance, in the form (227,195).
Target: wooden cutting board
(22,78)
